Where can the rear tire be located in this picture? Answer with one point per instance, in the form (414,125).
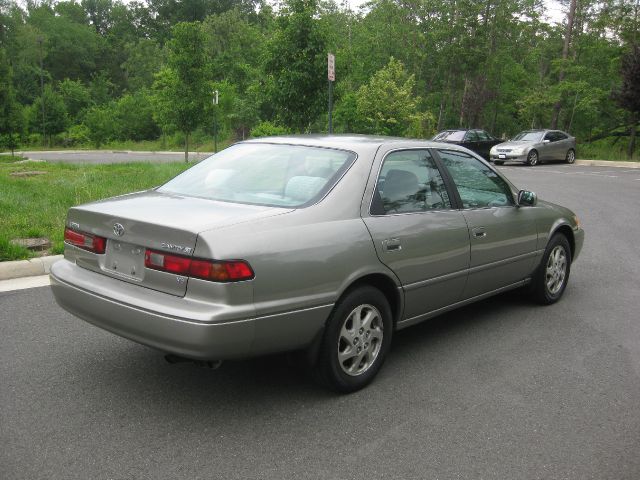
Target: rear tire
(356,340)
(551,277)
(571,156)
(532,158)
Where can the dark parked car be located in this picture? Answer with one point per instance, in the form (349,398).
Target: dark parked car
(322,243)
(477,141)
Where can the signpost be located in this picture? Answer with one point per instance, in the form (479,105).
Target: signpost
(215,121)
(331,75)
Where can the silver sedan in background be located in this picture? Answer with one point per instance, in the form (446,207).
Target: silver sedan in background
(326,244)
(536,146)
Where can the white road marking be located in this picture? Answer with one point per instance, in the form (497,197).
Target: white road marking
(25,282)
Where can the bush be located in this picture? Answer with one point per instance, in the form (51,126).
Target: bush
(101,125)
(76,135)
(268,129)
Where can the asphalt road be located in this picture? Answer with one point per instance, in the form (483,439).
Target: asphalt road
(111,156)
(499,390)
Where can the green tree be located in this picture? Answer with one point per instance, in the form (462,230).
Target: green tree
(628,96)
(134,117)
(143,59)
(55,114)
(181,92)
(387,104)
(235,48)
(11,120)
(76,97)
(101,124)
(297,59)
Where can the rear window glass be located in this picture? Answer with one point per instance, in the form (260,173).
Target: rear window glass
(452,135)
(264,174)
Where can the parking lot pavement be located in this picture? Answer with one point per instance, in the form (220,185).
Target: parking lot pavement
(500,390)
(111,156)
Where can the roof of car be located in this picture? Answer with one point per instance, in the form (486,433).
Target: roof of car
(344,141)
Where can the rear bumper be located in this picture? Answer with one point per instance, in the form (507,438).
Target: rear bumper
(182,326)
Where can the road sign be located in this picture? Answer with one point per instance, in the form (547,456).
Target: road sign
(331,70)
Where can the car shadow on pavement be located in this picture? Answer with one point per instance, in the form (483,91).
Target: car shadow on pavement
(144,374)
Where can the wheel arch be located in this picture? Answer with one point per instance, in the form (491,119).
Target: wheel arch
(389,287)
(567,231)
(391,290)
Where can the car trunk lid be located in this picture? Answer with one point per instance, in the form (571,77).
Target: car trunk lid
(169,223)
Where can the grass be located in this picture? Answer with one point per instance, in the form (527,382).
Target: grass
(36,206)
(8,158)
(606,150)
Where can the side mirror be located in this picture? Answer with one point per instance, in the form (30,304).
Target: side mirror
(527,198)
(546,140)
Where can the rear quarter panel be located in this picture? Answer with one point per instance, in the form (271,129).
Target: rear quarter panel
(305,258)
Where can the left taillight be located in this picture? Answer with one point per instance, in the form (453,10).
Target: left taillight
(85,241)
(213,270)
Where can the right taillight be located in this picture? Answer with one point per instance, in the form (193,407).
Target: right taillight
(213,270)
(86,241)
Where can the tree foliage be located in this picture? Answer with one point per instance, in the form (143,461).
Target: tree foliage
(181,87)
(296,66)
(387,105)
(135,70)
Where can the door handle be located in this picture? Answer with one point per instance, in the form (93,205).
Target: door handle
(392,245)
(479,232)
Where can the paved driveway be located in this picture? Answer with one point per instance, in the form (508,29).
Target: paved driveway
(112,156)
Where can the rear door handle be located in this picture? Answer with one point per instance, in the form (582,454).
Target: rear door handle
(479,232)
(392,245)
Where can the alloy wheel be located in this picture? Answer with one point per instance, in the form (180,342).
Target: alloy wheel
(360,340)
(556,270)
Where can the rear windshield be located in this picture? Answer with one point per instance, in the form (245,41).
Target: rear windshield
(264,174)
(528,136)
(451,135)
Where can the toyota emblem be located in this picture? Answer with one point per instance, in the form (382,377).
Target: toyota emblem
(118,229)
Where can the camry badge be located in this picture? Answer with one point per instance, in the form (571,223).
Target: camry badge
(118,229)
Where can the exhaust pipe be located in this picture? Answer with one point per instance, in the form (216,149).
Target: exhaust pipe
(212,364)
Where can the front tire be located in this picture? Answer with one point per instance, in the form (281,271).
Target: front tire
(571,156)
(532,158)
(356,340)
(552,275)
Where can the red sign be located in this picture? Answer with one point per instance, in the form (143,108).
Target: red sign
(331,67)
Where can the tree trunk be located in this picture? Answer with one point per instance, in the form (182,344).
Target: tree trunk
(186,147)
(565,55)
(632,136)
(463,102)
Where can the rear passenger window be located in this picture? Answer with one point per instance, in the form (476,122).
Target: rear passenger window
(478,185)
(409,181)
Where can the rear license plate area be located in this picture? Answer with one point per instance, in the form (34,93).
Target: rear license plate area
(124,259)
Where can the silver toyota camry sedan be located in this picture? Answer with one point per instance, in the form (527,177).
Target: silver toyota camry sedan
(535,146)
(322,244)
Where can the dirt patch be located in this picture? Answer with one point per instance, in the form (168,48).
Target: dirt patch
(28,173)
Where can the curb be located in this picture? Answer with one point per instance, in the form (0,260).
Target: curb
(27,268)
(607,163)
